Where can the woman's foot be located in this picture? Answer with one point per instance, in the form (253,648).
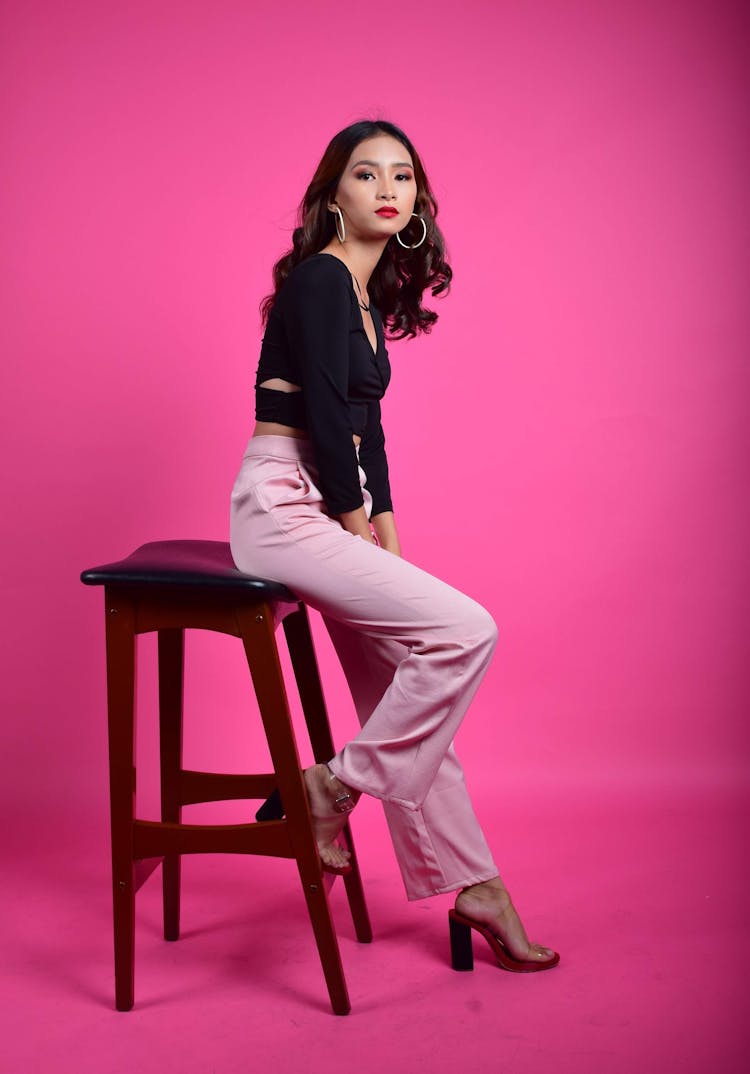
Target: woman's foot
(330,803)
(490,904)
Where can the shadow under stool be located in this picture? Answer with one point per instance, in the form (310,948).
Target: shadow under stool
(168,587)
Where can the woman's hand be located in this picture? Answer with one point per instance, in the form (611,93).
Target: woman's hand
(356,522)
(384,525)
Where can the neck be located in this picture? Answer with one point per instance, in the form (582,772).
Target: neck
(359,257)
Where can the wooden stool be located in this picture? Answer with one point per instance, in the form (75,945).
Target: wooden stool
(169,586)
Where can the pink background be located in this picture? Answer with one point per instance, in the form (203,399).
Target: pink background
(569,446)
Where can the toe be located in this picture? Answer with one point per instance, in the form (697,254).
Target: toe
(334,855)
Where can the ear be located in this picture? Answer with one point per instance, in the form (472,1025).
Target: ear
(332,206)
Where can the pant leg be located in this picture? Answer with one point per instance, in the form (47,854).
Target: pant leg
(439,847)
(280,529)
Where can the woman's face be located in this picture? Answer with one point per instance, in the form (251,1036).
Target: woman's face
(377,191)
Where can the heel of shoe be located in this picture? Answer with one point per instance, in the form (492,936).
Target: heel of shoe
(272,808)
(462,955)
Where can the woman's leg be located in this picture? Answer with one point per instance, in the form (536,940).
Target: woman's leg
(279,529)
(440,846)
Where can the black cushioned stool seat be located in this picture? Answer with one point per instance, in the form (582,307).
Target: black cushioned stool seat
(168,587)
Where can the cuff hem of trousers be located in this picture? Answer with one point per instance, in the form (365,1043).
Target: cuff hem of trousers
(359,785)
(457,885)
(364,789)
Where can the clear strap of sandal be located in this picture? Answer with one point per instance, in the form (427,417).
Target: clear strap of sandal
(343,802)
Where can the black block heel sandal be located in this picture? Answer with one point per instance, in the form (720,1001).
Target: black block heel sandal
(462,955)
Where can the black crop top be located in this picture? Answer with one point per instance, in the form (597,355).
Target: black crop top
(315,337)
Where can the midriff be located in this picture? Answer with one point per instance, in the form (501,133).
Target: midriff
(274,428)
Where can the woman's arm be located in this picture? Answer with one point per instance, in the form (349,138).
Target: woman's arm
(374,462)
(317,309)
(356,522)
(384,525)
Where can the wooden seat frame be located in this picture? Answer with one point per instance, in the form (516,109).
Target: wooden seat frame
(139,846)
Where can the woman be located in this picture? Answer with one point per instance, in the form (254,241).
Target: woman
(311,507)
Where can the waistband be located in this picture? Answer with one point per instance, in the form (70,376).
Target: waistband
(283,447)
(280,447)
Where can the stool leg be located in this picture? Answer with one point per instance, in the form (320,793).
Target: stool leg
(171,666)
(307,676)
(257,629)
(121,671)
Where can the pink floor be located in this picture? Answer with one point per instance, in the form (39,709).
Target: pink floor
(642,892)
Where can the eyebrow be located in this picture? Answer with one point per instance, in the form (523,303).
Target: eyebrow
(376,164)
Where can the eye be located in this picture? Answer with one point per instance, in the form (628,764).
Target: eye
(404,176)
(364,175)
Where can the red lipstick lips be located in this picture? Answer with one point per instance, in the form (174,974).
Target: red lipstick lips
(387,211)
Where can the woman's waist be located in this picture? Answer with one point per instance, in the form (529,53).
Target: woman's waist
(270,438)
(276,428)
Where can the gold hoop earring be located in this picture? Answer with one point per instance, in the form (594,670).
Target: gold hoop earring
(339,221)
(416,244)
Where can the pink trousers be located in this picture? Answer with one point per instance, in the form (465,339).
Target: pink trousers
(413,650)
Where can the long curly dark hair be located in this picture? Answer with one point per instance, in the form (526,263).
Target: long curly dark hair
(401,276)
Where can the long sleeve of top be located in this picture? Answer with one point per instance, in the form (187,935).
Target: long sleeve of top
(315,338)
(374,462)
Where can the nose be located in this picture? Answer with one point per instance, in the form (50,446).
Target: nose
(386,191)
